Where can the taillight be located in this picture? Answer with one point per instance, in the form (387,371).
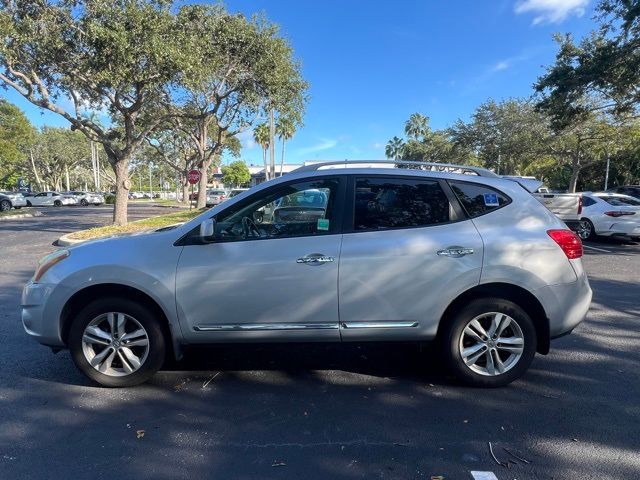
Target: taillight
(617,213)
(580,205)
(568,241)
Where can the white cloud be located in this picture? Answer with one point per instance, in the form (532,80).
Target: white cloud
(246,139)
(551,11)
(502,65)
(324,144)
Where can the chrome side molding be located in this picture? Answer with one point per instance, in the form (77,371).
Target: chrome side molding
(381,324)
(235,327)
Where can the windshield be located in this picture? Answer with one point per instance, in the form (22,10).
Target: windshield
(308,198)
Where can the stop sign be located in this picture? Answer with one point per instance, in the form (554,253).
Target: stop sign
(193,177)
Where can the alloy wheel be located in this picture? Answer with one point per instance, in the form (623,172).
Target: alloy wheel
(584,229)
(115,344)
(5,205)
(491,344)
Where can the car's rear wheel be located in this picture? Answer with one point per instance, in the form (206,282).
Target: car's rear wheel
(116,342)
(5,205)
(84,202)
(57,203)
(489,342)
(586,230)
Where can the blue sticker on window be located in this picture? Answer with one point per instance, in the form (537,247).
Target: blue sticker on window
(491,200)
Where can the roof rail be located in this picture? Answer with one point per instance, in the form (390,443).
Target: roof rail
(414,165)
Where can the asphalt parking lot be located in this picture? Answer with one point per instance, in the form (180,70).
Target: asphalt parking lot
(322,411)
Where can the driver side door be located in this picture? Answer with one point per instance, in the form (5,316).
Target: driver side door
(266,277)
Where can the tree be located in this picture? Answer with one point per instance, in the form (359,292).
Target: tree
(262,136)
(394,148)
(16,135)
(604,67)
(236,174)
(285,129)
(56,152)
(244,70)
(119,56)
(417,126)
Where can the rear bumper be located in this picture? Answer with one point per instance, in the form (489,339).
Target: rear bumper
(566,304)
(631,229)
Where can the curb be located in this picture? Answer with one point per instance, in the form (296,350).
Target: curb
(22,215)
(65,241)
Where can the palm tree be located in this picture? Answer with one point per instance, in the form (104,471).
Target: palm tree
(417,126)
(261,137)
(285,128)
(394,148)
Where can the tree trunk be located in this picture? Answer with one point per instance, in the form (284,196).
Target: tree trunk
(66,177)
(575,171)
(282,158)
(185,188)
(266,169)
(35,170)
(123,184)
(202,186)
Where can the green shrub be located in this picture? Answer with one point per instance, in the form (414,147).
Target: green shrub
(110,199)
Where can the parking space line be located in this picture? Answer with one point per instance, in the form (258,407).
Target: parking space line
(596,248)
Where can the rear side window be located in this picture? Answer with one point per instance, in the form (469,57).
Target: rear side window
(386,203)
(478,199)
(587,201)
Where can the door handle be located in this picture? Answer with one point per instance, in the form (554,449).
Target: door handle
(315,259)
(455,252)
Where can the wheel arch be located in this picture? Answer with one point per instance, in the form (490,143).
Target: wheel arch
(86,295)
(518,295)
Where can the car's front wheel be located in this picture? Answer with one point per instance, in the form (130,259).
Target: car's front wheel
(57,203)
(5,205)
(84,202)
(489,342)
(117,342)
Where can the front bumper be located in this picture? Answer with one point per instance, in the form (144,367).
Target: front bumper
(40,317)
(566,304)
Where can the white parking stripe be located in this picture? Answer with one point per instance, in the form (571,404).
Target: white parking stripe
(598,249)
(483,475)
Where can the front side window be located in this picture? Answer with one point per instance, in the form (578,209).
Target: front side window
(295,210)
(478,199)
(386,203)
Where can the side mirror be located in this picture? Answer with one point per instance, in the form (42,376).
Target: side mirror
(207,230)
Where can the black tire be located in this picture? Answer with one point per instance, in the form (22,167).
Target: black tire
(17,208)
(586,230)
(57,203)
(157,342)
(5,205)
(29,204)
(453,331)
(84,202)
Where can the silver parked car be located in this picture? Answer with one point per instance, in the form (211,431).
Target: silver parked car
(468,260)
(609,215)
(9,200)
(215,197)
(86,198)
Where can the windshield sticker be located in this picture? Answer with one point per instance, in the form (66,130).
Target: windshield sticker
(323,224)
(491,200)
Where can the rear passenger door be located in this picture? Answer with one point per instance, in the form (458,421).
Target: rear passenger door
(407,252)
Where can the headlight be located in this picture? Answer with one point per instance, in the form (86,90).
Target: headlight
(49,261)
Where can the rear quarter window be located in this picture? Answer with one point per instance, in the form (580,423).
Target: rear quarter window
(478,199)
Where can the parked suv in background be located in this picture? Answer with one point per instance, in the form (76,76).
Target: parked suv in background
(463,258)
(215,197)
(9,200)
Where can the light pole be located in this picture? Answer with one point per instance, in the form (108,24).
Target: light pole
(606,175)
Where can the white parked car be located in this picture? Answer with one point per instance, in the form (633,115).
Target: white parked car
(609,214)
(50,199)
(85,198)
(9,200)
(471,262)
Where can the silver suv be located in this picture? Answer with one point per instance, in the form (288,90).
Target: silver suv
(429,252)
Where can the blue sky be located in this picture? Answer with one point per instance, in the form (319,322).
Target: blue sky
(371,64)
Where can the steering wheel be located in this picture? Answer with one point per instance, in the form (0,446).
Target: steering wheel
(249,228)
